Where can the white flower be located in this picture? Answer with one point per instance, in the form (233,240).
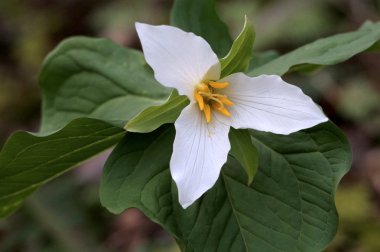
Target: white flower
(186,62)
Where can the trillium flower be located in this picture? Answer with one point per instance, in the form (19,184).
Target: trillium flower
(186,62)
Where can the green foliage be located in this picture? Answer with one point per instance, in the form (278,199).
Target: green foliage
(85,77)
(82,77)
(200,17)
(155,116)
(92,88)
(239,56)
(27,161)
(244,151)
(261,58)
(327,51)
(288,207)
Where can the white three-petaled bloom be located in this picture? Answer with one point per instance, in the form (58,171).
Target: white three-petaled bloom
(186,62)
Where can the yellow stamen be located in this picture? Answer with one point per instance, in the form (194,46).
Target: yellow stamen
(203,88)
(216,106)
(218,85)
(207,99)
(226,101)
(199,99)
(224,111)
(221,109)
(207,112)
(211,94)
(215,100)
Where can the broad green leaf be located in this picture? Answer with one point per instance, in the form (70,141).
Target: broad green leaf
(239,56)
(244,151)
(289,206)
(153,117)
(82,77)
(261,58)
(28,161)
(200,17)
(327,51)
(85,77)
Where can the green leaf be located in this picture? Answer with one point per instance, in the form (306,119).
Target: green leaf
(153,117)
(239,56)
(289,206)
(81,78)
(150,152)
(200,17)
(261,58)
(28,161)
(327,51)
(244,151)
(85,77)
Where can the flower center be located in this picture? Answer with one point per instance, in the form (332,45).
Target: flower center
(207,98)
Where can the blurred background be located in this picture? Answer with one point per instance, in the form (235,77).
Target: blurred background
(66,215)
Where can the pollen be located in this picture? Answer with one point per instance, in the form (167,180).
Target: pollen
(207,98)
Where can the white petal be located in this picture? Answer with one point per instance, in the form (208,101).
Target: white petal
(268,103)
(179,59)
(199,152)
